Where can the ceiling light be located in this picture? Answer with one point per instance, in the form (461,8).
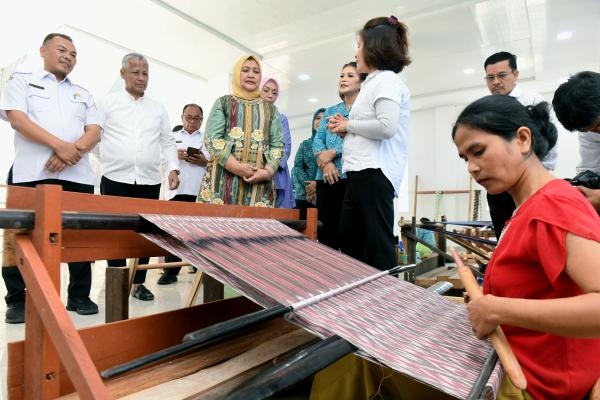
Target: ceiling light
(564,35)
(313,100)
(304,77)
(468,71)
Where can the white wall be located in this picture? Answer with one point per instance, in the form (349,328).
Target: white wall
(433,157)
(97,69)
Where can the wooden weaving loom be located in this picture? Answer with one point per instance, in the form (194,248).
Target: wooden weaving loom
(35,369)
(55,359)
(279,268)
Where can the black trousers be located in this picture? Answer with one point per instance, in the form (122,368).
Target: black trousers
(171,258)
(303,205)
(367,220)
(329,205)
(80,273)
(502,206)
(113,188)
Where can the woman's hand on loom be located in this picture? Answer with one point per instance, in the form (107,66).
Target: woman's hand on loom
(482,315)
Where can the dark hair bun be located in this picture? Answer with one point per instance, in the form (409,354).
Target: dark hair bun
(540,113)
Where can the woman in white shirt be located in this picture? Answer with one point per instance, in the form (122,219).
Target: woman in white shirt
(375,144)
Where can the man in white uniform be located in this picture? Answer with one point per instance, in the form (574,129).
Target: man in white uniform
(136,131)
(192,165)
(501,75)
(56,124)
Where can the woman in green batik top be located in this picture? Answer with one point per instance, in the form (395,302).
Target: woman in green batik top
(245,140)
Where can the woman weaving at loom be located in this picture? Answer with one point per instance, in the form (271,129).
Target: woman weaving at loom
(542,283)
(245,139)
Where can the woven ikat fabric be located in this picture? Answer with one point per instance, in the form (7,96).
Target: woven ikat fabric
(415,332)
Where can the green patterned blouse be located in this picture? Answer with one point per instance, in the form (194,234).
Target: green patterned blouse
(251,131)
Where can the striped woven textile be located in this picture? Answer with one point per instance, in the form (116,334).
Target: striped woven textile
(415,332)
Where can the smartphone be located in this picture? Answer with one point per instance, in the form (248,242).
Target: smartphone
(192,151)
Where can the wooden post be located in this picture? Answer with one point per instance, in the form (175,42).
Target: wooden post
(470,210)
(41,360)
(441,244)
(38,259)
(412,245)
(311,223)
(212,289)
(415,197)
(117,294)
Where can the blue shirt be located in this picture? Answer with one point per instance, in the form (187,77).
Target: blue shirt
(305,168)
(325,139)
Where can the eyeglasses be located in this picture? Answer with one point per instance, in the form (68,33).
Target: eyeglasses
(500,76)
(189,118)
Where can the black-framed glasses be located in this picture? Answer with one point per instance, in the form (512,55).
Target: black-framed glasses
(500,76)
(190,118)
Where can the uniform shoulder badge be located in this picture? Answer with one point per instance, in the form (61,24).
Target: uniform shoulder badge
(14,74)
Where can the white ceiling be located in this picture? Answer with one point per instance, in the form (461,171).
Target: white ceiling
(316,37)
(203,38)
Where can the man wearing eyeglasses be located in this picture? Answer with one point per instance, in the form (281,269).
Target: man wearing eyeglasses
(501,75)
(193,157)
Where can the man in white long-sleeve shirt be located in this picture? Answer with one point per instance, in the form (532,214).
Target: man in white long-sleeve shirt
(577,106)
(501,75)
(136,131)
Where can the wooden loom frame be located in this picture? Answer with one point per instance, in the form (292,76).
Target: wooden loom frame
(55,357)
(470,191)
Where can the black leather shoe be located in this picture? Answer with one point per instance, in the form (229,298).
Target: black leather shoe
(142,293)
(167,279)
(82,305)
(15,313)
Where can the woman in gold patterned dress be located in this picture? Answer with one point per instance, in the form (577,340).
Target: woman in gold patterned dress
(245,140)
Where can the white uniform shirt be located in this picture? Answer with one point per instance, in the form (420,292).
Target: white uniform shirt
(135,132)
(589,150)
(190,174)
(390,155)
(63,109)
(531,99)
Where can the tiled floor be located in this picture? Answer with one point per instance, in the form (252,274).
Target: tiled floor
(167,297)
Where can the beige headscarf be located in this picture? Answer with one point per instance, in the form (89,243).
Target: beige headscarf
(236,87)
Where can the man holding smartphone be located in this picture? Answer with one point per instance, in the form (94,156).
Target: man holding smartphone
(193,158)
